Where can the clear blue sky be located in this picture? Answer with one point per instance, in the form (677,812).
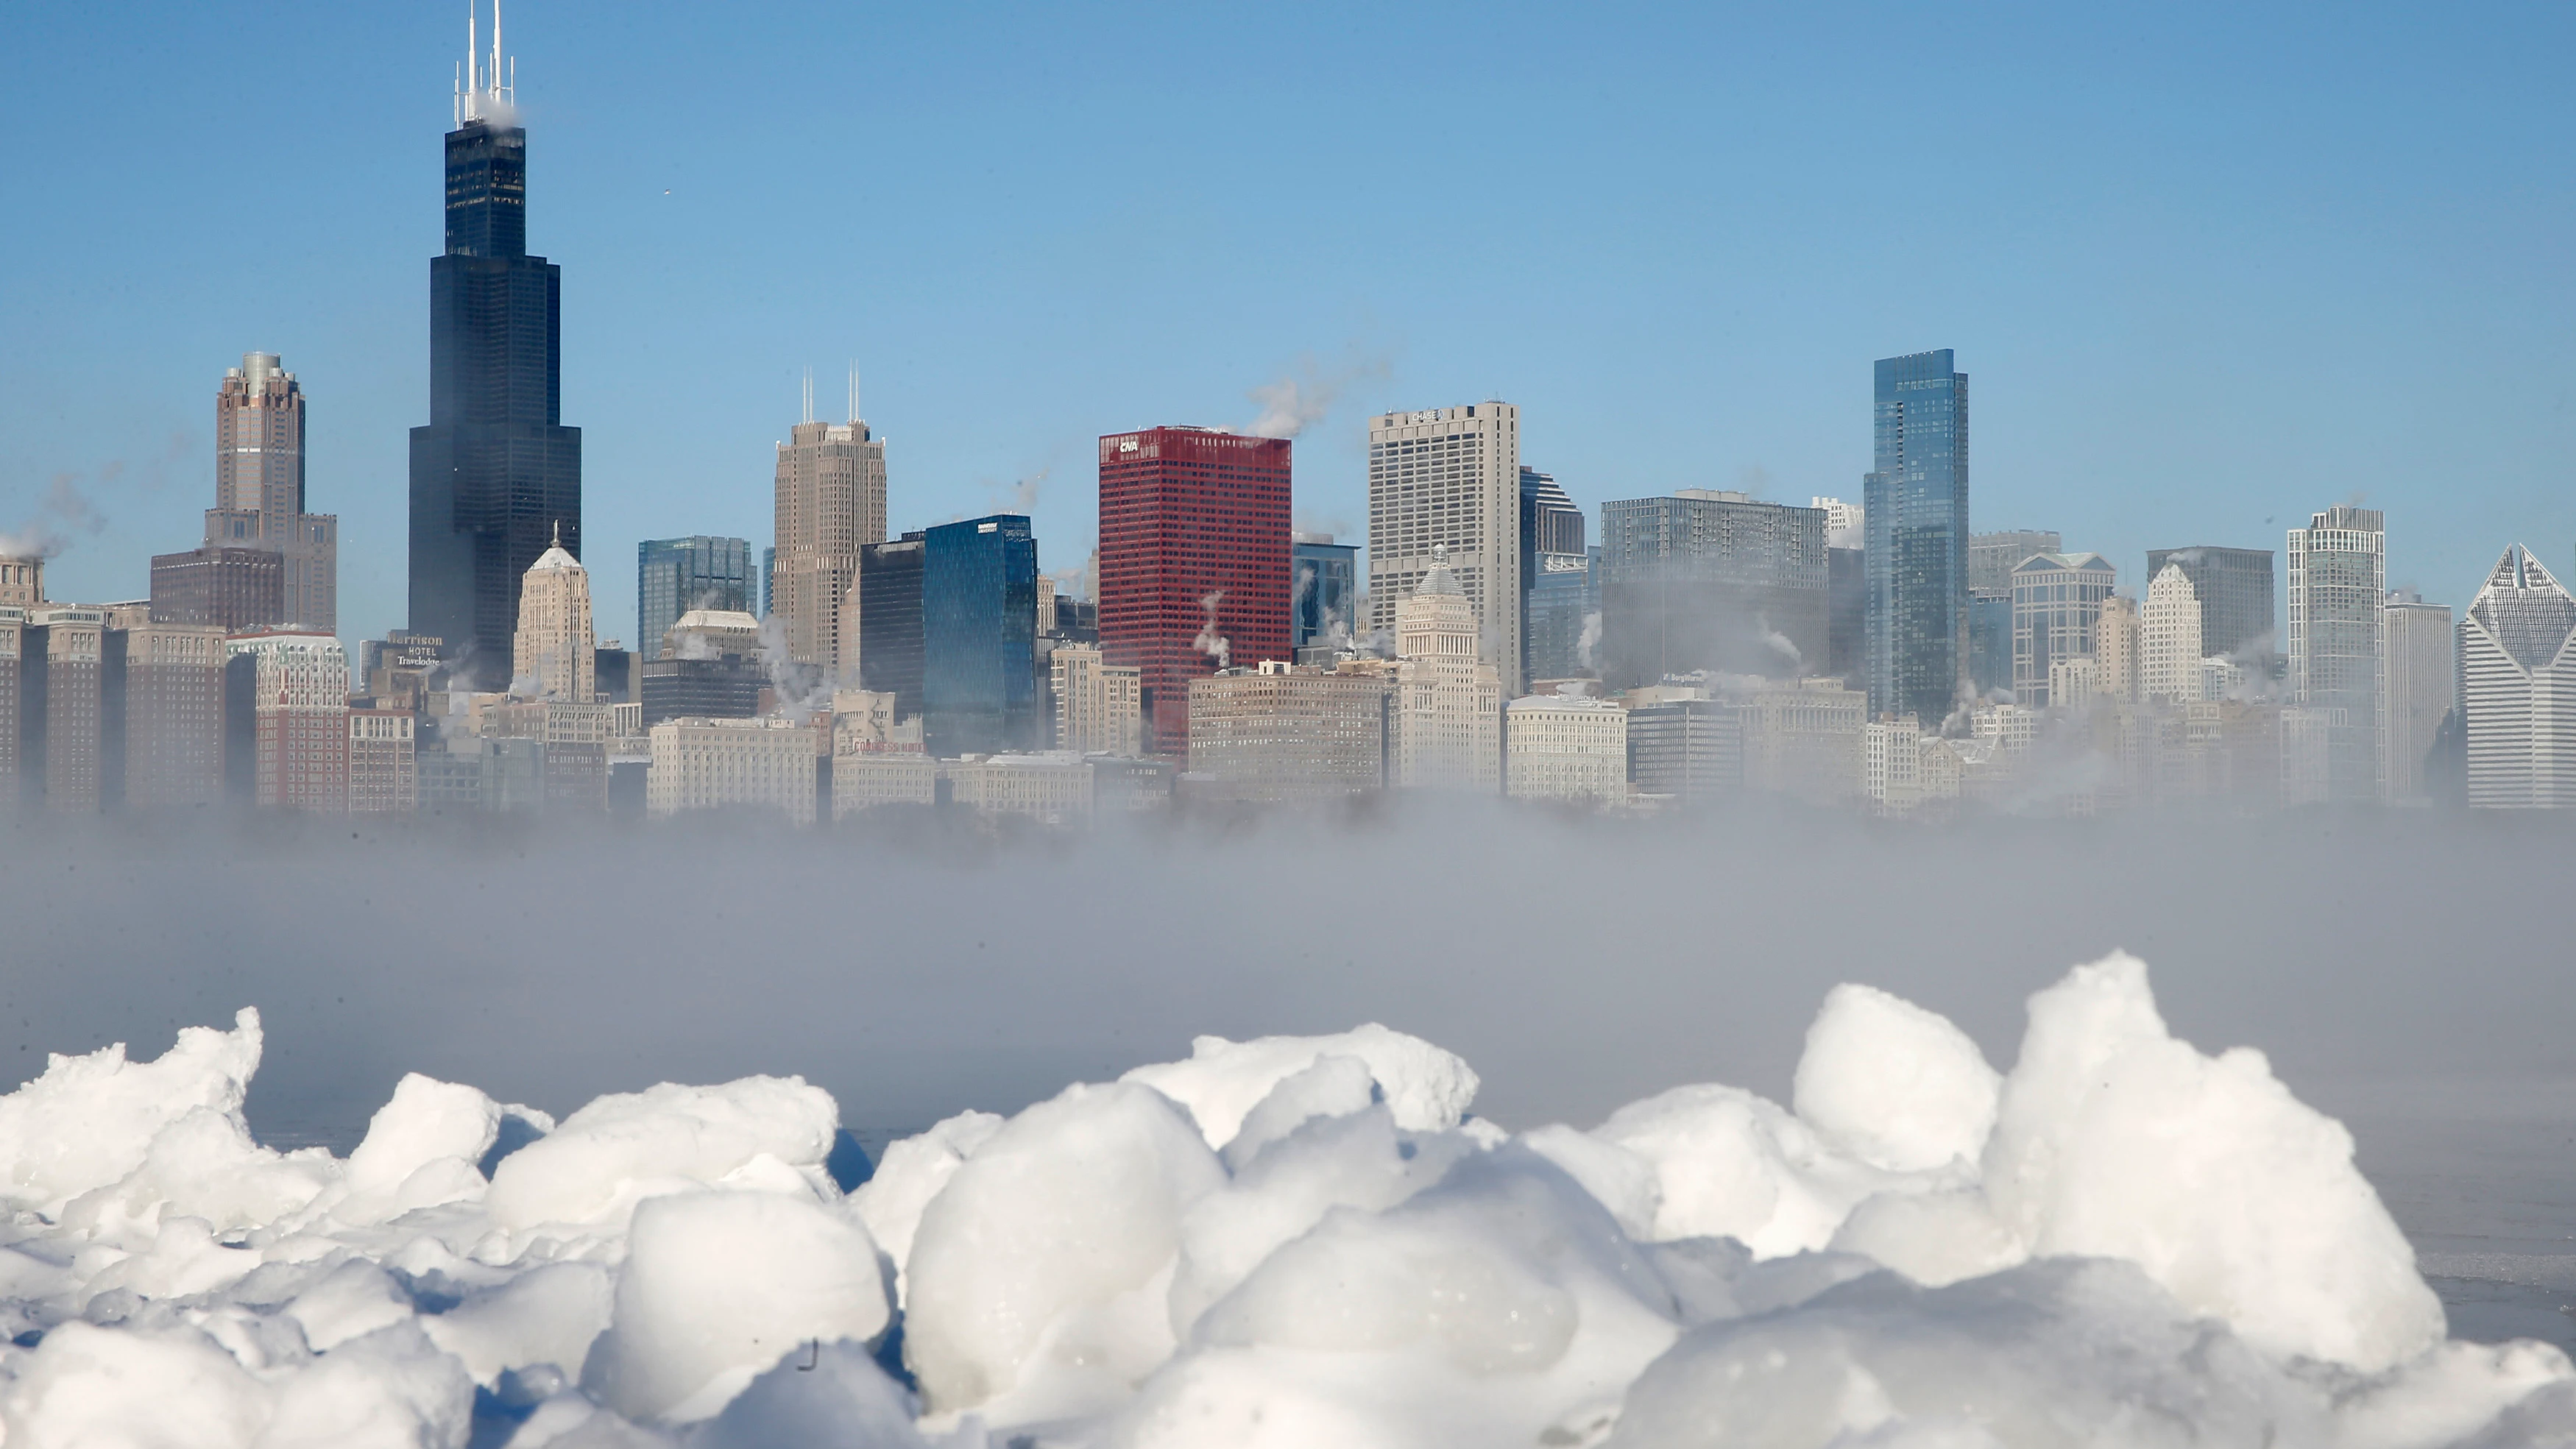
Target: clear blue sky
(2209,270)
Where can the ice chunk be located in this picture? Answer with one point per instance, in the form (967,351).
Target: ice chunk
(912,1173)
(1427,1088)
(202,1165)
(391,1389)
(87,1121)
(414,1148)
(1357,1161)
(2114,1139)
(593,1168)
(1625,1182)
(547,1315)
(87,1385)
(1061,1230)
(839,1399)
(1730,1164)
(353,1299)
(718,1286)
(1334,1086)
(1894,1085)
(2058,1353)
(1501,1306)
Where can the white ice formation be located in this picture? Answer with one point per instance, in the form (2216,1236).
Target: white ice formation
(1284,1242)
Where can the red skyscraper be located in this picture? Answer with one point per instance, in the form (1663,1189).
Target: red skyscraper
(1193,562)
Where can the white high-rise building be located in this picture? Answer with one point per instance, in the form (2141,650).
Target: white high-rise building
(2518,688)
(554,653)
(1448,702)
(2423,688)
(1565,747)
(1099,707)
(2339,647)
(707,764)
(2169,639)
(1449,478)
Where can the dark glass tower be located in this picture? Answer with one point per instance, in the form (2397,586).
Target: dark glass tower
(979,617)
(1915,517)
(495,473)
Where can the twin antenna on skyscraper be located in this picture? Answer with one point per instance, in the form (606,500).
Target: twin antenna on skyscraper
(808,414)
(481,91)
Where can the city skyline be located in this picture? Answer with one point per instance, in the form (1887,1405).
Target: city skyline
(2243,448)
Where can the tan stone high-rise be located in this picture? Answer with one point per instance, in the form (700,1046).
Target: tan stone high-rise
(831,501)
(2116,644)
(1098,706)
(1448,701)
(259,510)
(553,655)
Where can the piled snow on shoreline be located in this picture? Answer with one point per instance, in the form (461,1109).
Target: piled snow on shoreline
(1290,1241)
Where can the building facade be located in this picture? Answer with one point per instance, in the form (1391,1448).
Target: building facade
(62,708)
(1053,786)
(2234,586)
(163,700)
(1194,563)
(1566,747)
(1448,701)
(2518,688)
(553,653)
(1324,590)
(2057,599)
(237,590)
(676,575)
(1099,706)
(1688,750)
(1282,733)
(885,627)
(2339,645)
(494,474)
(979,686)
(752,764)
(830,502)
(1915,510)
(2169,639)
(1802,740)
(1448,479)
(1711,580)
(2423,690)
(384,774)
(300,710)
(1553,554)
(1991,560)
(2119,649)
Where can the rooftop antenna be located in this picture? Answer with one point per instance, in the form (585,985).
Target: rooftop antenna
(495,77)
(854,392)
(809,395)
(473,64)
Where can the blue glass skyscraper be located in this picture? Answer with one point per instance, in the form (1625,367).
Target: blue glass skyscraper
(1323,588)
(675,575)
(979,636)
(1915,512)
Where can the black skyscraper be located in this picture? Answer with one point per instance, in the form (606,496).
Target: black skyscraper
(495,473)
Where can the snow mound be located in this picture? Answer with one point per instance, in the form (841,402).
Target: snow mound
(1427,1088)
(1282,1242)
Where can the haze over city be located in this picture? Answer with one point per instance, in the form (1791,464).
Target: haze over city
(1633,727)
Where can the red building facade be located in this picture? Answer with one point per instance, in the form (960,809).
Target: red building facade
(1193,562)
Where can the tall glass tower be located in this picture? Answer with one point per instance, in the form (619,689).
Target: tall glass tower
(495,475)
(1915,563)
